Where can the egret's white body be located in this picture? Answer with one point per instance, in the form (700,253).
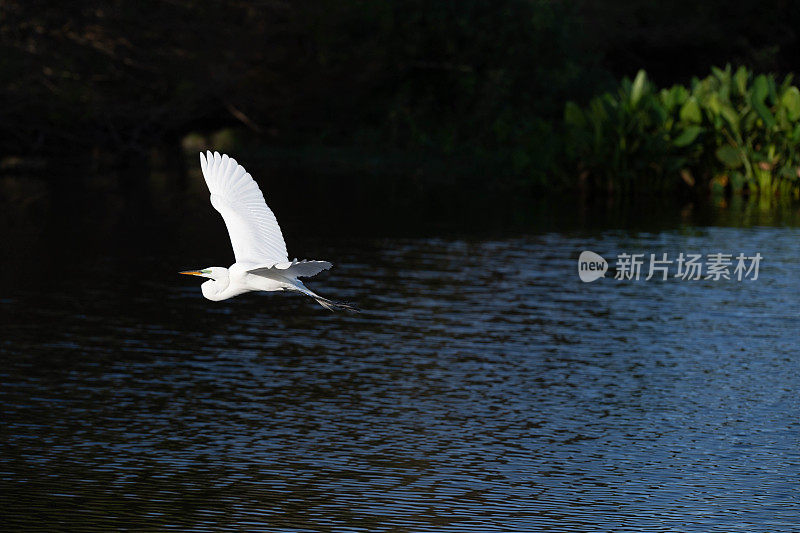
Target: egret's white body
(262,263)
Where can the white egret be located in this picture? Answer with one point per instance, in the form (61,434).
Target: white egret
(262,263)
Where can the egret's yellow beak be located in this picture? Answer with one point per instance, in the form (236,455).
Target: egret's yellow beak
(191,273)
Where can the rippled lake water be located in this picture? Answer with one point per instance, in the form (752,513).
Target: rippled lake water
(483,388)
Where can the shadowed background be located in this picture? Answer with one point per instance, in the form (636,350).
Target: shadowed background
(470,93)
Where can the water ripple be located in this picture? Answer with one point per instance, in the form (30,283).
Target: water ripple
(484,388)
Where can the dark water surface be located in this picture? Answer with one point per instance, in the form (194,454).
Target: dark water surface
(484,388)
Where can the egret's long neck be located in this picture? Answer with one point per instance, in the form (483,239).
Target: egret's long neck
(216,289)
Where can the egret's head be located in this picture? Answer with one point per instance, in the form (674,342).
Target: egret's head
(218,281)
(210,272)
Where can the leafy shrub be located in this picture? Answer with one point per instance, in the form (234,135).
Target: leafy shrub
(732,131)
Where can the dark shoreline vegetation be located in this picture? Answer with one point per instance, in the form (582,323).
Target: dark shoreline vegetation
(408,98)
(732,131)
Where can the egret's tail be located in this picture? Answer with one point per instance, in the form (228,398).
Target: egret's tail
(330,305)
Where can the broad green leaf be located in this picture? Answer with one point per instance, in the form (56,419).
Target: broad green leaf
(729,156)
(740,79)
(725,90)
(690,111)
(638,88)
(713,103)
(730,115)
(791,102)
(760,89)
(773,92)
(688,136)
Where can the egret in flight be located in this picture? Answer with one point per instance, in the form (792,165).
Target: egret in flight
(262,263)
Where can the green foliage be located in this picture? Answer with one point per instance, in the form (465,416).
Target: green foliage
(732,129)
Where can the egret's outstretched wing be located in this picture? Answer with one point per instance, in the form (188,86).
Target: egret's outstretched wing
(254,231)
(292,269)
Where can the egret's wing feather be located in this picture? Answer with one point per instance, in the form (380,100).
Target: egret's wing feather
(255,235)
(292,269)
